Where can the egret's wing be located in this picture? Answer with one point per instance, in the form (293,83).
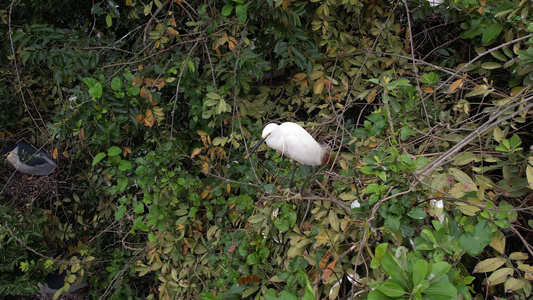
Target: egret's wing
(303,149)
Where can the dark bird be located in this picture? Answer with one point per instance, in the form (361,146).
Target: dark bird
(55,281)
(28,160)
(296,143)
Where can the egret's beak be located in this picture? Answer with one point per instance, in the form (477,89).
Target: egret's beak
(258,144)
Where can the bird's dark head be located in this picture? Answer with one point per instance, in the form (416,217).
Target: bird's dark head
(8,148)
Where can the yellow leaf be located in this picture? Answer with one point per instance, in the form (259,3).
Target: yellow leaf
(518,256)
(455,85)
(489,265)
(228,188)
(371,96)
(318,87)
(196,152)
(529,174)
(498,134)
(512,284)
(499,276)
(299,77)
(498,241)
(334,221)
(54,153)
(428,90)
(65,154)
(468,210)
(173,31)
(525,268)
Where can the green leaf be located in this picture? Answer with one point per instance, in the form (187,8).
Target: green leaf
(96,90)
(377,295)
(227,9)
(440,290)
(114,151)
(282,224)
(122,183)
(90,82)
(419,271)
(474,242)
(391,289)
(151,237)
(138,207)
(439,270)
(252,259)
(491,32)
(490,65)
(120,212)
(125,165)
(391,266)
(241,13)
(98,158)
(208,296)
(116,83)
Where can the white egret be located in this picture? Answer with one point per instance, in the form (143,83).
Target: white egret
(296,143)
(28,160)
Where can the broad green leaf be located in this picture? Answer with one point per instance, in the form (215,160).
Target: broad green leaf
(438,270)
(116,83)
(227,9)
(474,242)
(122,183)
(440,290)
(391,289)
(419,271)
(114,151)
(391,266)
(125,165)
(98,158)
(491,32)
(120,212)
(241,13)
(377,295)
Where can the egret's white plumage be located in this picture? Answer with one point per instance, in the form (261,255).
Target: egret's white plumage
(296,143)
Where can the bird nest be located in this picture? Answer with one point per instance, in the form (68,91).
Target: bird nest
(21,190)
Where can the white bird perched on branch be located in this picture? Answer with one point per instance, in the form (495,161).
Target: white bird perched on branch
(296,143)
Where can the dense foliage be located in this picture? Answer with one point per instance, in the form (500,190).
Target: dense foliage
(150,109)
